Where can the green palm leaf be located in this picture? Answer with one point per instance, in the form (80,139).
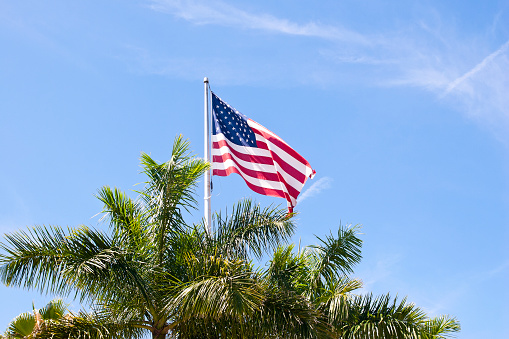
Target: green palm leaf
(252,229)
(336,297)
(288,270)
(441,327)
(89,326)
(381,317)
(22,326)
(54,310)
(337,254)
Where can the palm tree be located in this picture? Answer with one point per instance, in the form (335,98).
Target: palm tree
(153,272)
(31,325)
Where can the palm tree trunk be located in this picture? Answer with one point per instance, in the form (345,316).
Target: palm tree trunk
(158,334)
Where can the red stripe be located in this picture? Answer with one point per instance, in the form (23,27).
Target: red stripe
(280,143)
(257,189)
(298,175)
(252,173)
(259,159)
(291,190)
(277,177)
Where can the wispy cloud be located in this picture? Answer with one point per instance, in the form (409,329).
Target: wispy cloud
(465,72)
(315,189)
(482,92)
(479,67)
(473,83)
(220,13)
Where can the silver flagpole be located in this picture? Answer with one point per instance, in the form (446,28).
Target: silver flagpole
(207,156)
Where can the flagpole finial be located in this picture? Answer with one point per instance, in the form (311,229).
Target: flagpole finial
(205,80)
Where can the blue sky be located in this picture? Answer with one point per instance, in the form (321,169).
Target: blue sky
(401,108)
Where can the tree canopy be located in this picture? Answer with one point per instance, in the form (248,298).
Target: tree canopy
(151,271)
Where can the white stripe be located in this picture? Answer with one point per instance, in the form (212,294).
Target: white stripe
(289,159)
(290,180)
(249,165)
(242,149)
(275,185)
(265,130)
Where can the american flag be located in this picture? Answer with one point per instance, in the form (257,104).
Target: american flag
(266,163)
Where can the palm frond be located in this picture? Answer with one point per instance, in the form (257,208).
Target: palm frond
(336,255)
(335,297)
(84,260)
(22,326)
(286,314)
(441,327)
(231,291)
(169,190)
(89,326)
(171,184)
(252,229)
(127,217)
(380,317)
(34,259)
(54,310)
(287,270)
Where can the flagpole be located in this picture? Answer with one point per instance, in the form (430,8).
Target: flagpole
(207,156)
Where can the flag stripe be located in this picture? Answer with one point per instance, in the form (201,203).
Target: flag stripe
(254,173)
(277,141)
(257,189)
(273,180)
(254,158)
(229,168)
(284,165)
(284,158)
(294,185)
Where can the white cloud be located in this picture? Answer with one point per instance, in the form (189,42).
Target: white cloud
(482,92)
(219,13)
(317,187)
(464,75)
(465,72)
(478,68)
